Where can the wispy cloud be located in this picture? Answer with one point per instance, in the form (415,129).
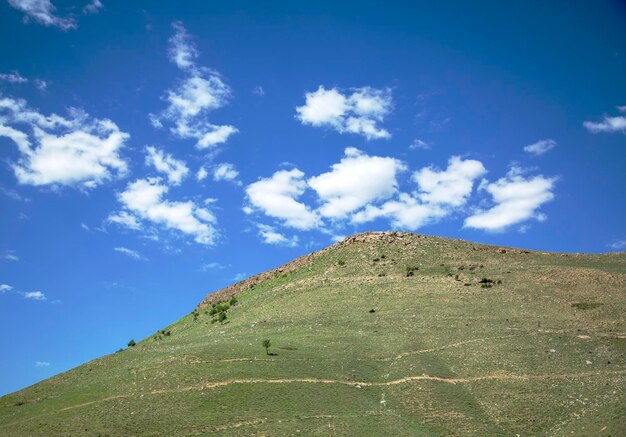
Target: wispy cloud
(174,169)
(93,8)
(269,235)
(540,147)
(618,245)
(35,295)
(419,144)
(42,11)
(240,277)
(212,266)
(5,287)
(226,172)
(130,252)
(42,364)
(10,255)
(189,103)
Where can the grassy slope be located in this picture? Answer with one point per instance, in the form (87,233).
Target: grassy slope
(436,357)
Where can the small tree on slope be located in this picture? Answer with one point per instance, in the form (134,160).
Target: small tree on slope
(267,344)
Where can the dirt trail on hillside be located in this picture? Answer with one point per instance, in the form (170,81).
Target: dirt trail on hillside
(357,384)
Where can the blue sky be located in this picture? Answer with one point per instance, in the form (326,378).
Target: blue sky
(152,153)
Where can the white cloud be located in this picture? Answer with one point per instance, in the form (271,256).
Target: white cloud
(10,255)
(419,144)
(130,252)
(271,236)
(35,295)
(202,174)
(450,187)
(14,77)
(439,193)
(143,200)
(258,91)
(5,287)
(240,276)
(276,196)
(174,169)
(516,199)
(42,364)
(42,11)
(608,124)
(406,212)
(125,219)
(355,181)
(182,51)
(225,172)
(618,245)
(540,147)
(93,7)
(212,266)
(358,113)
(76,151)
(190,102)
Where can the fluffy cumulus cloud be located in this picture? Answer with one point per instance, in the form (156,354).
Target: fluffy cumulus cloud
(74,151)
(516,199)
(439,193)
(608,124)
(193,98)
(277,196)
(5,287)
(359,112)
(143,202)
(406,212)
(269,235)
(355,181)
(451,186)
(174,169)
(42,11)
(361,188)
(540,147)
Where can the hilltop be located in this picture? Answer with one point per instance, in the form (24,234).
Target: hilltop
(384,333)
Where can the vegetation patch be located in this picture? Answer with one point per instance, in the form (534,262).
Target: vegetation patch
(586,305)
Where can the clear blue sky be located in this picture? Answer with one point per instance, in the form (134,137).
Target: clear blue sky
(154,152)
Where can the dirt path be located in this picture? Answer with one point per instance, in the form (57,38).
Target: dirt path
(357,384)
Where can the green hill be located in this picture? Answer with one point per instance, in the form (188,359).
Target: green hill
(381,334)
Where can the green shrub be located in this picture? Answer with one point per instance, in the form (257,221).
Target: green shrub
(341,262)
(131,343)
(222,317)
(233,301)
(411,269)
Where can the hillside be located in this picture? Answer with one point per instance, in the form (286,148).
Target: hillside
(381,334)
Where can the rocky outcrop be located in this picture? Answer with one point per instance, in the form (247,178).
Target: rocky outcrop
(366,237)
